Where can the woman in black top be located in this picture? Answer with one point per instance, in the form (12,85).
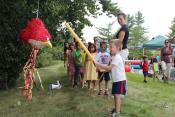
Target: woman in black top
(123,35)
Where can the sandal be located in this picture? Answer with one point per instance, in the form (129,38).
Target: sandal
(100,92)
(107,92)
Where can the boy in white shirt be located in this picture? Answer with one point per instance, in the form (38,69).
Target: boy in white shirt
(118,75)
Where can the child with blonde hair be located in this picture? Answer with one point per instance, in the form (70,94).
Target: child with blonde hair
(118,75)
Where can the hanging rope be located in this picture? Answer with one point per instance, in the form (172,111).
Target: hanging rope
(37,10)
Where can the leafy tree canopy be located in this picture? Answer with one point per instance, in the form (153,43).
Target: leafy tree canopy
(172,29)
(15,14)
(137,30)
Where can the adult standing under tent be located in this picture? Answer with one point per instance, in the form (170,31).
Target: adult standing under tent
(173,41)
(166,56)
(123,35)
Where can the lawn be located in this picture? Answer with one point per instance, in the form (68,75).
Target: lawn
(154,99)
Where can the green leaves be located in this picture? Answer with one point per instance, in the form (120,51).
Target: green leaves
(15,14)
(13,54)
(131,22)
(172,28)
(139,19)
(109,7)
(137,31)
(106,33)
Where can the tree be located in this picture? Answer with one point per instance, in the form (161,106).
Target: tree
(172,28)
(105,33)
(137,31)
(139,19)
(15,14)
(131,22)
(109,7)
(137,36)
(13,53)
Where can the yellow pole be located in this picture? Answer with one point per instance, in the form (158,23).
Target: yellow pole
(40,80)
(78,40)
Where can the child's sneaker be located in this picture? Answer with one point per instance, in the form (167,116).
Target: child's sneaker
(115,114)
(100,92)
(145,81)
(112,111)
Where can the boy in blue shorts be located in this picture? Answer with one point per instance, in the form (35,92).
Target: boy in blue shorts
(103,58)
(118,75)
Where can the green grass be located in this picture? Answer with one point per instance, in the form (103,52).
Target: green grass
(154,99)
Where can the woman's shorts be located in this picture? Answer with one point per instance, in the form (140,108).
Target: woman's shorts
(124,54)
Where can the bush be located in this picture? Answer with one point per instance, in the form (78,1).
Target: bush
(44,59)
(13,53)
(48,55)
(137,54)
(57,52)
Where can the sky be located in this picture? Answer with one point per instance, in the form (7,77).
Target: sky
(158,15)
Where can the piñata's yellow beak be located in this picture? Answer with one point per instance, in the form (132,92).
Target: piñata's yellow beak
(48,44)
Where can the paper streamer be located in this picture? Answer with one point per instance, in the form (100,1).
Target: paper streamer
(79,40)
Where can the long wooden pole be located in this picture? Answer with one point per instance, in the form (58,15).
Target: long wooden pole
(78,40)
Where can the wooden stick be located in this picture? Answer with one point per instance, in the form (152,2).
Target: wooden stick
(79,40)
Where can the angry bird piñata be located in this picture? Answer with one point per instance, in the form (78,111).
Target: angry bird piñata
(35,34)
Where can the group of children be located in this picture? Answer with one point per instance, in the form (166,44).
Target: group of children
(86,71)
(74,61)
(82,70)
(153,68)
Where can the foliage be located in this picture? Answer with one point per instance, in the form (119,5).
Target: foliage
(13,54)
(135,54)
(14,16)
(139,18)
(172,28)
(137,36)
(109,7)
(44,59)
(105,33)
(137,31)
(150,54)
(47,56)
(131,21)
